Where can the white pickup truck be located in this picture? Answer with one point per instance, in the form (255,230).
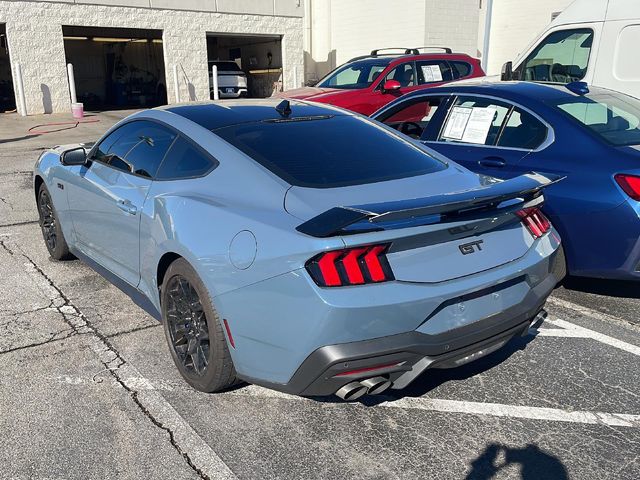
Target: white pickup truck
(232,81)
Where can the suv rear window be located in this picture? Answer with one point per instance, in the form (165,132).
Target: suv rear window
(225,66)
(326,152)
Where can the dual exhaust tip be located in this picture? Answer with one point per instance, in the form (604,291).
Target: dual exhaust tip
(372,386)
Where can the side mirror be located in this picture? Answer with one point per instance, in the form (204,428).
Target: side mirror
(74,156)
(507,71)
(391,86)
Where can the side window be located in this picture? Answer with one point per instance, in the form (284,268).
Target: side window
(404,74)
(474,120)
(139,149)
(562,57)
(522,130)
(432,71)
(184,160)
(412,117)
(460,69)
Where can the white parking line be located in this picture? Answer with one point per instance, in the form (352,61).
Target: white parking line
(589,312)
(516,411)
(476,408)
(556,332)
(578,331)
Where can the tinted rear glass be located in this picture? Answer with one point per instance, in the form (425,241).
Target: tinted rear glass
(331,152)
(226,66)
(613,116)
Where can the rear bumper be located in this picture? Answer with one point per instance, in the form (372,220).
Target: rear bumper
(404,357)
(296,337)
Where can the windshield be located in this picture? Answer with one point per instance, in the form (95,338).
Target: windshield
(613,116)
(354,75)
(326,152)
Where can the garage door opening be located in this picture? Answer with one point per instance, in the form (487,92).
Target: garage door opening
(252,59)
(116,68)
(7,94)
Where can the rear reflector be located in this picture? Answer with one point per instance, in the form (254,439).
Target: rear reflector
(630,184)
(226,327)
(351,266)
(535,221)
(366,369)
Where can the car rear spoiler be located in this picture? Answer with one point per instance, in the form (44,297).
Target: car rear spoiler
(448,206)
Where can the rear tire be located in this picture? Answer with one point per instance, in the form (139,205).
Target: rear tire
(560,266)
(50,226)
(193,330)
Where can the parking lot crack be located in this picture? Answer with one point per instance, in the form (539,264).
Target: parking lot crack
(78,324)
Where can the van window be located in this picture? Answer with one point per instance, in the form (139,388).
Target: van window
(562,57)
(626,49)
(612,116)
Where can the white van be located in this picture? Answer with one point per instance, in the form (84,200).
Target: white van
(595,41)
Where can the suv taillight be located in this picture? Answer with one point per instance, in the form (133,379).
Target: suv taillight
(630,184)
(351,266)
(535,221)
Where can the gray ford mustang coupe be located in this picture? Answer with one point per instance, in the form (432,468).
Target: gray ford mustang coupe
(301,247)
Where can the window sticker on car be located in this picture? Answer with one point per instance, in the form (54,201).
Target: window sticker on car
(431,73)
(479,124)
(457,122)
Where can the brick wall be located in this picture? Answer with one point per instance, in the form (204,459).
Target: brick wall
(34,33)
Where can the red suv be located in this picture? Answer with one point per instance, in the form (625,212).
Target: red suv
(365,84)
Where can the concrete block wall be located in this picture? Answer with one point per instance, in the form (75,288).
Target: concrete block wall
(34,34)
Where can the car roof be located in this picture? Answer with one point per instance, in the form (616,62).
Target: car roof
(214,115)
(517,91)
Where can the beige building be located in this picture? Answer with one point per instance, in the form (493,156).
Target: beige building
(337,30)
(514,25)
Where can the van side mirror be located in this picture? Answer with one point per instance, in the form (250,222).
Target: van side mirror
(391,86)
(74,156)
(507,71)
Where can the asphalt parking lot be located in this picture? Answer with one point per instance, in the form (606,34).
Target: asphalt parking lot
(88,389)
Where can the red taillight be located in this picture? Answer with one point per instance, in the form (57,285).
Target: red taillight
(535,221)
(351,266)
(630,184)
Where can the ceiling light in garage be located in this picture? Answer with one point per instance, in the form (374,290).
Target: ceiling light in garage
(75,38)
(112,40)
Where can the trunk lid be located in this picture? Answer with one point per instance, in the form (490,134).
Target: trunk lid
(439,226)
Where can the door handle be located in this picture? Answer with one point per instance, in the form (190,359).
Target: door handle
(492,162)
(127,206)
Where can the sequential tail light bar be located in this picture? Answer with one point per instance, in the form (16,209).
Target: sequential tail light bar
(535,221)
(351,266)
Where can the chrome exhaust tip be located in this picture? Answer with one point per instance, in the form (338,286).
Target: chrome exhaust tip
(376,385)
(351,391)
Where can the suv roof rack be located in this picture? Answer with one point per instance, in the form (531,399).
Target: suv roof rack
(446,49)
(405,51)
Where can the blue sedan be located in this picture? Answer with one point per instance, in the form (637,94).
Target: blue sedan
(589,135)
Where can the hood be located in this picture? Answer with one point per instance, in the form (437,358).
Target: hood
(305,203)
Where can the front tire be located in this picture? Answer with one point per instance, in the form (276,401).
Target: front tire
(193,330)
(50,226)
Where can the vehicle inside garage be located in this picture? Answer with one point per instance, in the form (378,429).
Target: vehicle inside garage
(7,95)
(258,56)
(116,68)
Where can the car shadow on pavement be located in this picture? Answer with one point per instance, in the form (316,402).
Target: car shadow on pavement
(534,463)
(611,288)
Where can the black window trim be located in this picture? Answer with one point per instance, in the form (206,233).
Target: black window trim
(520,67)
(214,161)
(549,139)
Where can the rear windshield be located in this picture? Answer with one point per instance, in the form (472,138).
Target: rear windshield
(359,74)
(326,152)
(613,116)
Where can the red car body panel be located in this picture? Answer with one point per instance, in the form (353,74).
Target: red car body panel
(370,99)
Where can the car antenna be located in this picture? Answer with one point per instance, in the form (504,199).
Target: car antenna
(579,88)
(284,108)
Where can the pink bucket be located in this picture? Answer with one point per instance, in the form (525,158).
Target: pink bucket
(77,110)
